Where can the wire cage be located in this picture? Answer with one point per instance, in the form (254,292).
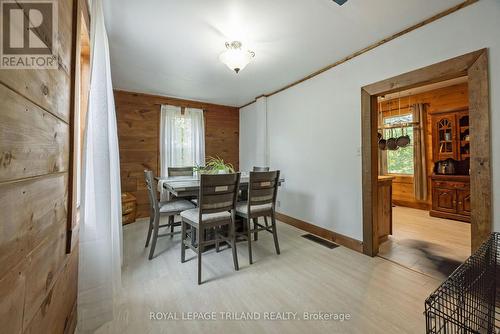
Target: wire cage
(465,302)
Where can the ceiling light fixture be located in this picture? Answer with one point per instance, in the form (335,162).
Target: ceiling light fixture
(235,57)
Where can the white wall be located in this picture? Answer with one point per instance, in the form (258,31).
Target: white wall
(254,135)
(315,127)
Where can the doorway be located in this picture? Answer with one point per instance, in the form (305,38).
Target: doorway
(428,216)
(473,65)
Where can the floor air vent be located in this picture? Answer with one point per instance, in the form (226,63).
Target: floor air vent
(320,241)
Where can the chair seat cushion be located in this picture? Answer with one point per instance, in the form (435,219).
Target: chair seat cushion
(193,216)
(176,206)
(242,208)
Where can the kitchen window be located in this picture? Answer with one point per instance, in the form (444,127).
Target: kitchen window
(400,161)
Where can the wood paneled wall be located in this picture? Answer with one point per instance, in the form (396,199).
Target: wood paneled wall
(38,279)
(138,117)
(440,100)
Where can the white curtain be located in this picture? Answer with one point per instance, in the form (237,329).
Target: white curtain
(101,229)
(182,138)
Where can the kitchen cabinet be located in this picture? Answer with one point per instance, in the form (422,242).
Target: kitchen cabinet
(463,142)
(463,204)
(445,199)
(451,197)
(450,135)
(444,135)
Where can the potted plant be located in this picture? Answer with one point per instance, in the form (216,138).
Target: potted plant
(215,166)
(198,170)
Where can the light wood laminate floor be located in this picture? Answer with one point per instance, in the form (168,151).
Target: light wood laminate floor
(380,296)
(430,245)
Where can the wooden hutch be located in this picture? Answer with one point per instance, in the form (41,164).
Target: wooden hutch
(450,139)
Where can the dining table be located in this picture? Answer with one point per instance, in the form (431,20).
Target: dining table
(189,186)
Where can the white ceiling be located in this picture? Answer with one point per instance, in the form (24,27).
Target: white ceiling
(171,47)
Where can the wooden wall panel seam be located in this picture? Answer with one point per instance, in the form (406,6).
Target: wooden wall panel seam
(61,296)
(12,297)
(66,121)
(37,278)
(33,177)
(49,268)
(32,141)
(23,230)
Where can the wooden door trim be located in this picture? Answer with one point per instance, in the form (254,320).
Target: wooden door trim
(80,11)
(480,150)
(475,66)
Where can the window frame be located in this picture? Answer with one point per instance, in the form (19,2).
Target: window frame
(401,175)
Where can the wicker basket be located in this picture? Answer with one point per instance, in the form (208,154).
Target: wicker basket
(129,208)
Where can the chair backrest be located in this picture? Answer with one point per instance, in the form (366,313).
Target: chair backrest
(181,171)
(260,169)
(263,188)
(218,192)
(150,185)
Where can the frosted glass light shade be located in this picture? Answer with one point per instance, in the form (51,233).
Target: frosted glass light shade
(235,58)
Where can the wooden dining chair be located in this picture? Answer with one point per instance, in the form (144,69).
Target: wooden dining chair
(180,171)
(245,196)
(217,202)
(262,193)
(243,193)
(159,209)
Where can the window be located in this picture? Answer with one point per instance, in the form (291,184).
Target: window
(399,161)
(183,141)
(182,138)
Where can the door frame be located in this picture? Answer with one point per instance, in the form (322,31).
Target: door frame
(80,31)
(475,66)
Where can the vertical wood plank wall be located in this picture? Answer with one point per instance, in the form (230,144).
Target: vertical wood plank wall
(138,118)
(438,100)
(38,280)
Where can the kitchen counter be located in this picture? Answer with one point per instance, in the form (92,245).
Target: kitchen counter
(385,178)
(384,210)
(451,177)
